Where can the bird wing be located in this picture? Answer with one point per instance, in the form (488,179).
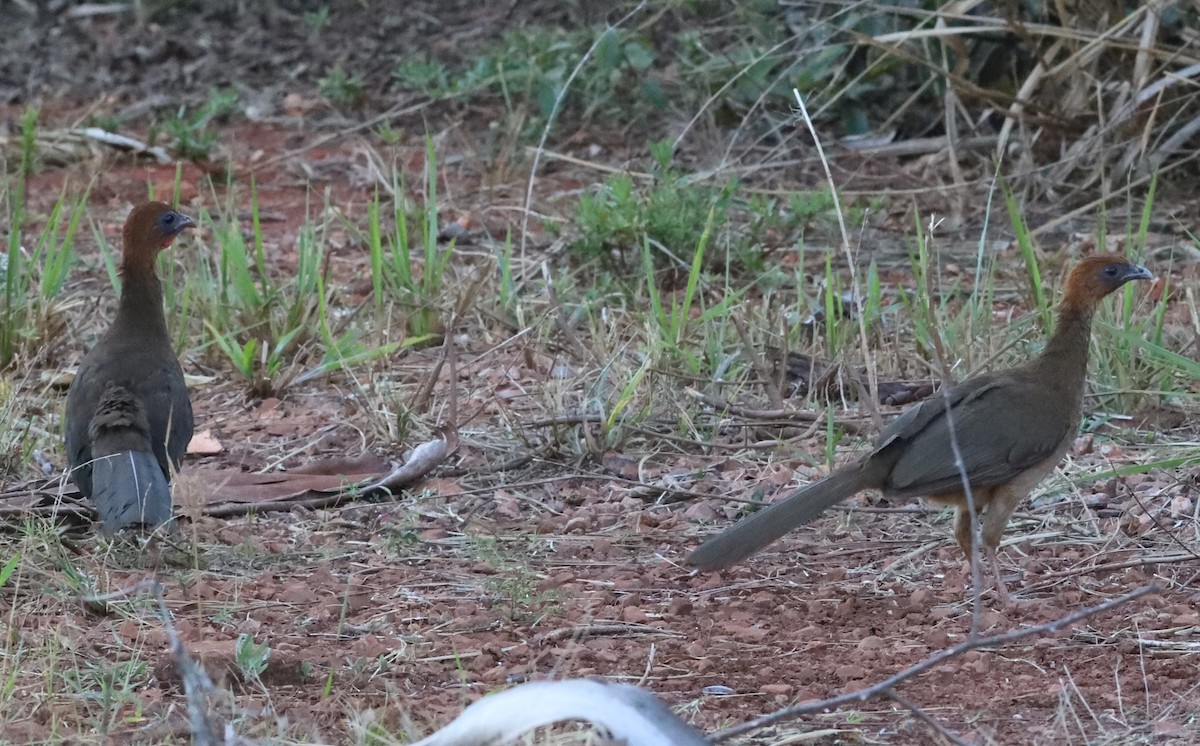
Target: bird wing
(161,393)
(169,411)
(1003,426)
(81,405)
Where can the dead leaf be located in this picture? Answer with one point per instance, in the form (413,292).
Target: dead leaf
(204,443)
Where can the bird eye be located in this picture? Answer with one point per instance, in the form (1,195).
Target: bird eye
(169,218)
(1110,270)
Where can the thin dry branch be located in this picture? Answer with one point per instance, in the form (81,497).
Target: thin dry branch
(923,716)
(855,426)
(770,383)
(596,629)
(1052,578)
(883,688)
(864,348)
(552,117)
(197,686)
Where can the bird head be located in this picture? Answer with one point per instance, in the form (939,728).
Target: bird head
(1096,276)
(149,229)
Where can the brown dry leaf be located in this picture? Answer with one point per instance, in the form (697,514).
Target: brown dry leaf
(506,504)
(296,105)
(204,443)
(224,492)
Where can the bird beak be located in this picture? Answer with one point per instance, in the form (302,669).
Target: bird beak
(1136,272)
(182,223)
(187,222)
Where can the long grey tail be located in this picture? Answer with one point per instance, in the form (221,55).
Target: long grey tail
(751,534)
(129,485)
(129,488)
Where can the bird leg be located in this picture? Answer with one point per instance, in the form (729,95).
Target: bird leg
(1001,591)
(963,528)
(1003,501)
(965,535)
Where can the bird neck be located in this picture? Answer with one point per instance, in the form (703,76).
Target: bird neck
(1064,360)
(141,303)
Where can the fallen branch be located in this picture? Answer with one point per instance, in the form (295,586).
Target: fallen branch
(197,686)
(127,144)
(65,147)
(423,459)
(584,631)
(855,426)
(885,688)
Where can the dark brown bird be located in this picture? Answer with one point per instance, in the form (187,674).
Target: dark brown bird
(129,418)
(1011,427)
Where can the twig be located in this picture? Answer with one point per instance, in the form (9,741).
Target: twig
(559,420)
(923,716)
(196,685)
(511,464)
(553,115)
(452,383)
(1154,518)
(583,631)
(973,508)
(853,426)
(769,382)
(924,146)
(1157,559)
(424,396)
(864,348)
(971,643)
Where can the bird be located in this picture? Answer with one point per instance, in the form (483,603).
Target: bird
(128,416)
(1011,427)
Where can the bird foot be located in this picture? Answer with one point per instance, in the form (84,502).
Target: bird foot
(1002,596)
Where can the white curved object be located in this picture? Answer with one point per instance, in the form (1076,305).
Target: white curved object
(626,712)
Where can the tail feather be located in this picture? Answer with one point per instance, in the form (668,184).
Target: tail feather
(129,488)
(129,485)
(757,531)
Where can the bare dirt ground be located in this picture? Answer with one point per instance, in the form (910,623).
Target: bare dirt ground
(388,615)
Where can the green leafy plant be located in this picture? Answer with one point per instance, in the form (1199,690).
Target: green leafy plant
(530,68)
(515,586)
(317,19)
(33,279)
(671,214)
(410,243)
(273,333)
(250,658)
(258,323)
(191,132)
(423,75)
(9,568)
(340,88)
(673,318)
